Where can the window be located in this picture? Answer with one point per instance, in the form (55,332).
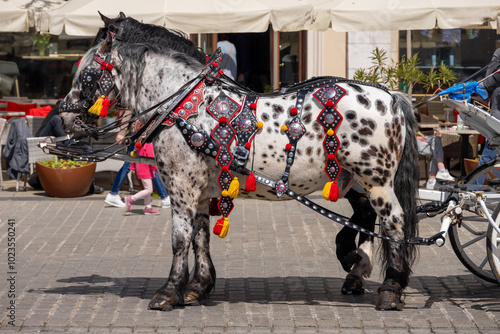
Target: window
(463,50)
(43,75)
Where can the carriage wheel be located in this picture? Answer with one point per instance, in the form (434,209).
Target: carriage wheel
(469,240)
(493,245)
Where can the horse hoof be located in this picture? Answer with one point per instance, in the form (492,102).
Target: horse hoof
(191,298)
(352,286)
(389,300)
(161,302)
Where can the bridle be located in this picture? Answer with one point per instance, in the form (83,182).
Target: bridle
(95,81)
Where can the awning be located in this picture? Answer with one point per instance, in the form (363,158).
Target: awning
(20,15)
(13,18)
(376,15)
(80,17)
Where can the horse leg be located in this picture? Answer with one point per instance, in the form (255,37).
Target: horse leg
(396,256)
(203,280)
(356,261)
(173,291)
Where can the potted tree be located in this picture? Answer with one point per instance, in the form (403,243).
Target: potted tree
(395,75)
(65,178)
(434,82)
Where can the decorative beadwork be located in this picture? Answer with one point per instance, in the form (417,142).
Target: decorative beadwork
(330,119)
(223,109)
(294,131)
(188,107)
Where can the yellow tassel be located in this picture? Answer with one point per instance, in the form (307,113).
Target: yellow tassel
(133,154)
(97,107)
(234,188)
(331,191)
(225,228)
(326,190)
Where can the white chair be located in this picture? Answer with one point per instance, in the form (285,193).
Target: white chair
(34,123)
(35,153)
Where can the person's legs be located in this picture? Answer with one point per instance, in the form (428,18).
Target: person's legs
(489,153)
(441,173)
(425,149)
(53,128)
(165,199)
(120,177)
(159,186)
(146,195)
(112,198)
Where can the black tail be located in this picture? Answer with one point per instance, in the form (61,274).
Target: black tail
(406,183)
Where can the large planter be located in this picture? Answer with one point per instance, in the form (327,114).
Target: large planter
(72,182)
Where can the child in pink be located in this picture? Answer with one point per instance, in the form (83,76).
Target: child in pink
(145,173)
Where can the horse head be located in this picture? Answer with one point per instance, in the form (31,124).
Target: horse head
(95,78)
(93,81)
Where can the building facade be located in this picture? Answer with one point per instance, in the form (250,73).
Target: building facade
(266,61)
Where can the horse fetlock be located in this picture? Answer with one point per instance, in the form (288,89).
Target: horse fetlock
(192,298)
(164,300)
(389,300)
(353,285)
(350,260)
(197,292)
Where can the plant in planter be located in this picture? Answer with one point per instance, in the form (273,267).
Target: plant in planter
(65,178)
(437,80)
(404,73)
(42,42)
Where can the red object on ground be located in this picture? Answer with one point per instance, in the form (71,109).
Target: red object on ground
(40,111)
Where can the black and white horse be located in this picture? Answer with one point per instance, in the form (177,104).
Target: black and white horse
(294,135)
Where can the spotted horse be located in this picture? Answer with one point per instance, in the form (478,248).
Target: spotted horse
(209,131)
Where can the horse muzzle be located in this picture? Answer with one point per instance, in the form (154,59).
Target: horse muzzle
(70,107)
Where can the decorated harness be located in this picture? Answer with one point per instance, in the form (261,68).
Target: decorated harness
(237,122)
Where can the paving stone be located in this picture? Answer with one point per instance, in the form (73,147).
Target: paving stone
(84,266)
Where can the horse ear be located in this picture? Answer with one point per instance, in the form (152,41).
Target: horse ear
(112,24)
(105,19)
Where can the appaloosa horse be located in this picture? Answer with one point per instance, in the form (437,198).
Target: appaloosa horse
(364,134)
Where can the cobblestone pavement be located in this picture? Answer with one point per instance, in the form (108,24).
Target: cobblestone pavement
(84,266)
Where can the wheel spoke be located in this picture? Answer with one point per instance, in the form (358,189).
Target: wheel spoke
(473,241)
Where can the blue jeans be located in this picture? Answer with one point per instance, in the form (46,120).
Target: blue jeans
(122,175)
(489,153)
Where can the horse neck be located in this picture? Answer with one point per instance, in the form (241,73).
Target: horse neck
(160,78)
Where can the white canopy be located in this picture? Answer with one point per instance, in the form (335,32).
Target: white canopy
(12,18)
(359,15)
(20,15)
(80,17)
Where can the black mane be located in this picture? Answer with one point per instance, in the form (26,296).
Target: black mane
(132,31)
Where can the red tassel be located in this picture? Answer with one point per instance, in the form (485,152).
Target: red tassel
(334,192)
(218,226)
(221,227)
(213,209)
(251,184)
(105,107)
